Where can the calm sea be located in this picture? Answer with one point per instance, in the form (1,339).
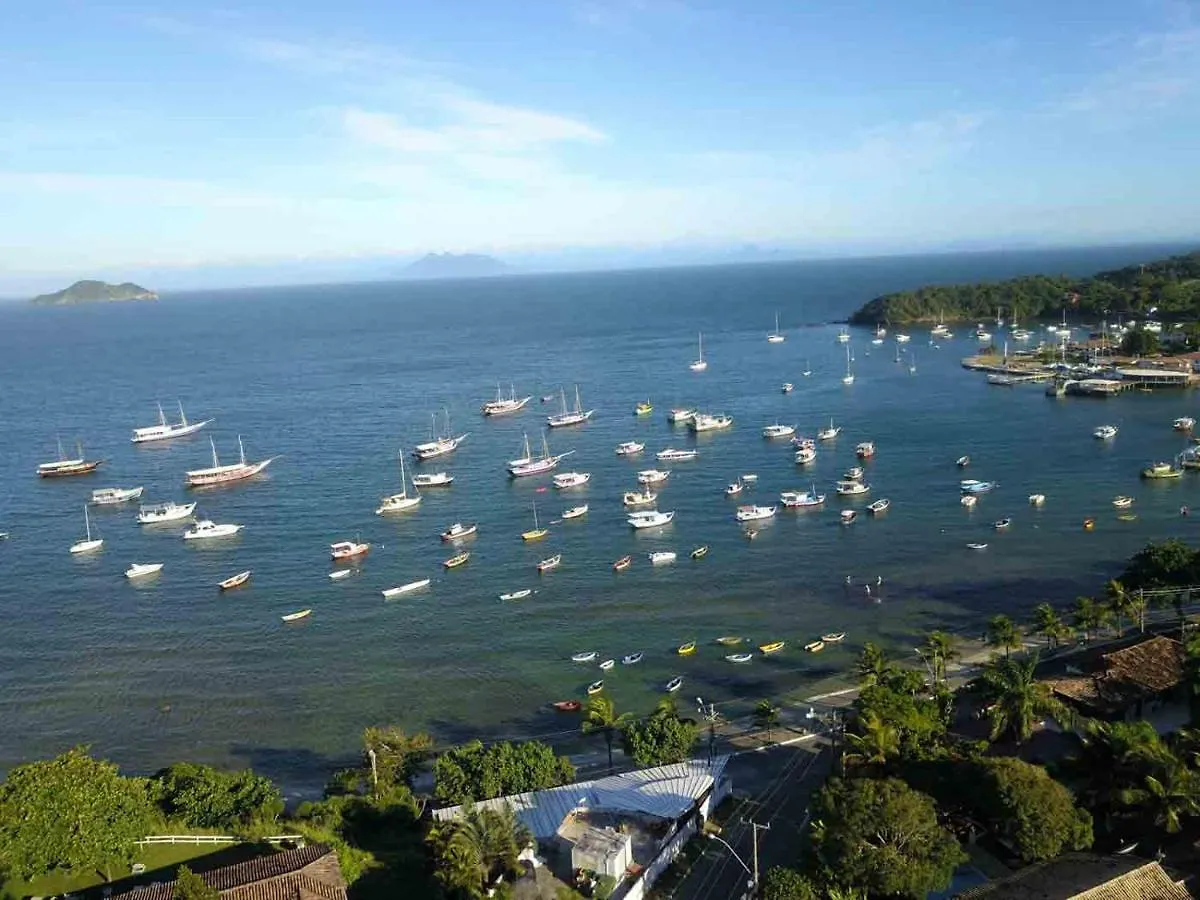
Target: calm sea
(336,379)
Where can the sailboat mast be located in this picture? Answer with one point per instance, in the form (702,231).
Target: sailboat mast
(182,416)
(61,454)
(162,419)
(241,450)
(87,523)
(578,405)
(216,462)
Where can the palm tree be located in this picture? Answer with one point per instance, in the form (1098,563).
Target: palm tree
(939,651)
(1003,634)
(876,742)
(1169,797)
(602,717)
(873,666)
(1114,758)
(766,715)
(1089,616)
(1048,623)
(1017,698)
(666,707)
(1122,604)
(476,847)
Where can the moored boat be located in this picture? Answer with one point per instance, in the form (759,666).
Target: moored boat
(219,474)
(805,455)
(772,647)
(502,406)
(595,687)
(433,479)
(297,616)
(700,552)
(165,430)
(702,422)
(848,488)
(787,387)
(623,563)
(671,454)
(1034,499)
(963,461)
(1104,432)
(537,532)
(776,336)
(830,433)
(1002,524)
(517,595)
(968,500)
(142,570)
(206,528)
(847,516)
(529,466)
(63,467)
(458,531)
(778,431)
(699,365)
(814,646)
(1122,502)
(114,496)
(607,664)
(586,656)
(854,473)
(754,513)
(234,581)
(548,564)
(1184,423)
(972,486)
(575,512)
(339,574)
(344,550)
(441,444)
(739,657)
(729,640)
(406,588)
(879,506)
(629,448)
(674,684)
(565,480)
(632,659)
(686,649)
(88,544)
(865,450)
(164,512)
(457,560)
(576,416)
(801,499)
(662,557)
(638,498)
(977,545)
(1089,524)
(834,637)
(401,501)
(643,409)
(567,706)
(681,415)
(733,489)
(650,518)
(1160,470)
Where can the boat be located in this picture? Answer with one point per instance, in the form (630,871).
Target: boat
(699,365)
(517,595)
(729,640)
(1105,432)
(787,387)
(638,498)
(835,637)
(632,659)
(401,501)
(662,557)
(219,474)
(406,588)
(297,616)
(457,560)
(1002,524)
(902,338)
(776,336)
(879,506)
(704,422)
(754,513)
(830,433)
(801,499)
(164,512)
(865,450)
(234,581)
(732,490)
(773,647)
(686,649)
(629,448)
(575,512)
(977,546)
(458,531)
(807,369)
(749,478)
(848,378)
(854,473)
(339,574)
(982,336)
(1127,517)
(586,656)
(438,445)
(546,398)
(963,461)
(1122,502)
(968,500)
(1161,470)
(848,516)
(1089,524)
(700,552)
(972,486)
(502,406)
(739,657)
(432,479)
(113,496)
(206,528)
(595,687)
(843,336)
(1184,423)
(749,533)
(552,563)
(847,488)
(643,409)
(526,456)
(571,479)
(877,342)
(623,563)
(63,467)
(671,454)
(567,706)
(142,570)
(681,415)
(778,431)
(576,416)
(545,463)
(1021,334)
(537,532)
(674,684)
(1037,499)
(814,646)
(607,664)
(348,550)
(653,476)
(165,430)
(805,455)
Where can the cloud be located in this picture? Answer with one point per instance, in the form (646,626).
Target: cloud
(390,132)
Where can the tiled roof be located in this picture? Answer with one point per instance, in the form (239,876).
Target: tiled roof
(1125,676)
(1084,876)
(276,876)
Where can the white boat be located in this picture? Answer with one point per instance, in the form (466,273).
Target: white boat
(807,369)
(843,336)
(571,479)
(297,616)
(401,501)
(653,476)
(458,531)
(787,387)
(639,498)
(969,500)
(502,405)
(776,336)
(662,557)
(1105,432)
(778,431)
(878,342)
(848,378)
(88,544)
(234,581)
(801,499)
(805,442)
(649,518)
(629,448)
(526,456)
(347,550)
(704,422)
(852,488)
(848,516)
(406,588)
(963,461)
(113,496)
(830,433)
(749,478)
(754,513)
(164,512)
(982,336)
(607,664)
(219,474)
(165,430)
(902,338)
(977,546)
(595,687)
(732,490)
(1034,499)
(632,659)
(142,570)
(1002,524)
(835,637)
(433,479)
(575,512)
(1184,423)
(577,416)
(854,473)
(1122,502)
(865,450)
(674,684)
(439,445)
(699,365)
(681,415)
(586,657)
(739,657)
(547,462)
(552,563)
(971,486)
(1020,334)
(673,455)
(517,595)
(879,506)
(342,573)
(206,528)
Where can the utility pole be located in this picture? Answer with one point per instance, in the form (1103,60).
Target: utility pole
(374,771)
(757,827)
(711,716)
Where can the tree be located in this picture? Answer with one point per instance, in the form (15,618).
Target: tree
(398,755)
(766,716)
(71,812)
(919,722)
(788,884)
(190,886)
(1003,634)
(881,836)
(1124,605)
(1089,616)
(873,741)
(478,772)
(939,652)
(602,718)
(1048,623)
(1169,563)
(1017,699)
(659,740)
(1139,342)
(1036,813)
(205,797)
(472,850)
(873,665)
(1114,758)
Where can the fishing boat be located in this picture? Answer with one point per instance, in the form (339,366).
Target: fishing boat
(972,486)
(653,476)
(729,640)
(219,474)
(847,488)
(297,616)
(739,657)
(552,563)
(778,431)
(458,531)
(206,529)
(700,552)
(576,416)
(406,588)
(787,387)
(629,448)
(671,454)
(1122,502)
(773,647)
(165,430)
(457,560)
(704,422)
(801,499)
(680,415)
(1184,423)
(865,450)
(1037,499)
(571,479)
(732,490)
(968,500)
(835,637)
(674,684)
(344,550)
(63,467)
(517,595)
(502,406)
(623,563)
(662,557)
(977,546)
(879,506)
(754,513)
(164,512)
(982,335)
(142,570)
(575,512)
(545,463)
(432,479)
(847,516)
(963,461)
(1105,432)
(830,433)
(699,365)
(854,473)
(848,378)
(402,501)
(805,455)
(607,664)
(814,647)
(643,409)
(686,649)
(438,445)
(649,518)
(1161,470)
(586,656)
(234,581)
(595,687)
(632,659)
(638,498)
(339,574)
(776,336)
(1002,524)
(567,706)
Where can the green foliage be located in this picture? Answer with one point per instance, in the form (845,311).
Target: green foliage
(881,836)
(874,741)
(1017,699)
(71,812)
(895,711)
(1169,563)
(190,886)
(605,885)
(205,797)
(766,716)
(1113,761)
(872,665)
(1003,634)
(475,771)
(1089,616)
(1049,624)
(476,847)
(398,755)
(1139,342)
(1036,813)
(602,718)
(788,884)
(659,740)
(938,652)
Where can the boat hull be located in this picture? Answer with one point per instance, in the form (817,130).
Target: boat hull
(82,468)
(225,474)
(165,432)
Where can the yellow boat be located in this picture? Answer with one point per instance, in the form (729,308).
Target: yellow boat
(687,649)
(1161,470)
(729,640)
(643,409)
(455,561)
(773,647)
(536,533)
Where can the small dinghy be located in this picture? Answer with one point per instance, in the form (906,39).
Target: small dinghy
(977,546)
(686,649)
(739,657)
(674,684)
(1002,524)
(632,659)
(457,560)
(662,557)
(729,640)
(879,506)
(342,573)
(608,664)
(236,581)
(1122,502)
(1034,499)
(575,512)
(968,500)
(348,550)
(963,461)
(297,616)
(814,646)
(585,657)
(142,570)
(623,563)
(835,637)
(749,478)
(848,516)
(517,595)
(406,588)
(1089,524)
(595,687)
(773,647)
(552,563)
(566,706)
(700,552)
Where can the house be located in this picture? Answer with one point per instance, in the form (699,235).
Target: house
(1126,684)
(1084,876)
(306,873)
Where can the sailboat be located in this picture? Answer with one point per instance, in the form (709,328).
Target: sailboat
(439,446)
(848,378)
(699,365)
(807,369)
(63,466)
(576,416)
(537,532)
(88,545)
(502,406)
(401,501)
(545,463)
(219,474)
(776,336)
(165,430)
(912,364)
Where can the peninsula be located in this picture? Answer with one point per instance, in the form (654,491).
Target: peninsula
(1169,286)
(455,265)
(95,292)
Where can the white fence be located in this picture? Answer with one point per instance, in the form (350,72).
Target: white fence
(212,839)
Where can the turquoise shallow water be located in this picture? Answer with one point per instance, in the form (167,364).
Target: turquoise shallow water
(335,379)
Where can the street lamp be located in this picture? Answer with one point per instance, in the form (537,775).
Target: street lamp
(711,716)
(752,884)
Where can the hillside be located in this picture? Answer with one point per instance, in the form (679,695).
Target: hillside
(1171,285)
(95,292)
(455,265)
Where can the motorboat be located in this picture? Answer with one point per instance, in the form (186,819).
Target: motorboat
(623,563)
(114,496)
(879,506)
(681,415)
(814,646)
(805,455)
(977,546)
(903,338)
(754,513)
(234,581)
(142,570)
(972,486)
(1190,458)
(64,467)
(982,336)
(595,687)
(1021,334)
(1160,470)
(517,595)
(401,501)
(1184,423)
(672,454)
(699,365)
(1002,524)
(787,387)
(297,616)
(963,461)
(852,488)
(438,445)
(546,398)
(1122,502)
(835,637)
(801,499)
(458,531)
(502,405)
(1036,499)
(732,490)
(662,557)
(650,518)
(206,528)
(830,433)
(571,479)
(545,463)
(739,657)
(341,574)
(164,512)
(968,500)
(344,550)
(576,416)
(776,336)
(629,448)
(854,473)
(165,430)
(772,647)
(643,409)
(749,478)
(877,342)
(1105,432)
(653,476)
(778,431)
(219,474)
(607,664)
(433,479)
(406,588)
(704,422)
(700,552)
(457,560)
(638,498)
(686,649)
(865,450)
(585,657)
(575,512)
(632,659)
(674,684)
(848,516)
(552,563)
(567,706)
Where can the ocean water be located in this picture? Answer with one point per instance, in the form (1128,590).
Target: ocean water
(336,379)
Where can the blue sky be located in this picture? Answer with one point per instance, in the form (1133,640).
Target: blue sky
(188,135)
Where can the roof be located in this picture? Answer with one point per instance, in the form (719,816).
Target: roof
(1084,876)
(1147,668)
(665,792)
(275,876)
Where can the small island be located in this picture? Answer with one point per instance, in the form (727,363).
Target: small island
(456,265)
(1170,286)
(95,292)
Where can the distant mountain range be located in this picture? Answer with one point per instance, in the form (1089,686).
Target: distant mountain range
(455,265)
(95,292)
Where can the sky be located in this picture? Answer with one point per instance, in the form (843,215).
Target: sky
(191,137)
